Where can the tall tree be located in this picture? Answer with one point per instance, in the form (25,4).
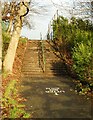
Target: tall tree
(76,8)
(21,13)
(84,9)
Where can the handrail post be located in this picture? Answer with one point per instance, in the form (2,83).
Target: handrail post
(43,52)
(43,55)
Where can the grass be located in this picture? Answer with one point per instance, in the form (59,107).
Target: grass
(10,106)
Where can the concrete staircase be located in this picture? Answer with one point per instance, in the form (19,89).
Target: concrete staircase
(33,63)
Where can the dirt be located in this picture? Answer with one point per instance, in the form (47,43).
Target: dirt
(16,66)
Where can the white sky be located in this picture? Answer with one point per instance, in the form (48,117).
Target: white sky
(41,21)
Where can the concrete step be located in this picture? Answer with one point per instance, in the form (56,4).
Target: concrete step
(32,71)
(30,61)
(41,72)
(31,58)
(34,76)
(32,52)
(32,47)
(50,66)
(31,65)
(39,68)
(41,75)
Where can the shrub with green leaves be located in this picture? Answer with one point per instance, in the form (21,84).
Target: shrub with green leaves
(74,41)
(83,62)
(23,40)
(10,106)
(6,40)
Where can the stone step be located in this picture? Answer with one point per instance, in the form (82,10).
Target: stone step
(32,71)
(30,48)
(31,55)
(33,66)
(32,52)
(48,64)
(29,64)
(38,57)
(31,58)
(40,68)
(46,71)
(41,71)
(27,57)
(31,61)
(36,64)
(51,59)
(51,62)
(41,75)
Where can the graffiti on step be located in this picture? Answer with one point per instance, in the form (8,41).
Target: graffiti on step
(55,90)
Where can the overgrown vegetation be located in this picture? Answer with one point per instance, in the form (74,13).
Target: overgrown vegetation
(74,41)
(11,100)
(6,40)
(10,106)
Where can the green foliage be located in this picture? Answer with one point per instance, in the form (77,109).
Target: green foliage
(4,26)
(83,63)
(74,41)
(5,74)
(10,107)
(6,40)
(6,37)
(9,88)
(82,89)
(23,40)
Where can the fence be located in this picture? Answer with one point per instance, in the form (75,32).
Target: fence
(49,34)
(42,59)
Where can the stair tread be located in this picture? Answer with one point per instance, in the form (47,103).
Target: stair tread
(31,63)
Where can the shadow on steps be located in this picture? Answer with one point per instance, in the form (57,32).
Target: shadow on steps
(59,68)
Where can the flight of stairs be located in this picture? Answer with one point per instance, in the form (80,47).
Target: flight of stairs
(31,66)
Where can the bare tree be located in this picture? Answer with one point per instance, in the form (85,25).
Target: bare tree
(18,20)
(16,13)
(76,8)
(84,9)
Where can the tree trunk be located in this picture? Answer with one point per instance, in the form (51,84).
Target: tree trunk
(0,55)
(9,58)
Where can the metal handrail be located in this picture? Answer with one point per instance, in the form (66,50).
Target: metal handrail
(43,55)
